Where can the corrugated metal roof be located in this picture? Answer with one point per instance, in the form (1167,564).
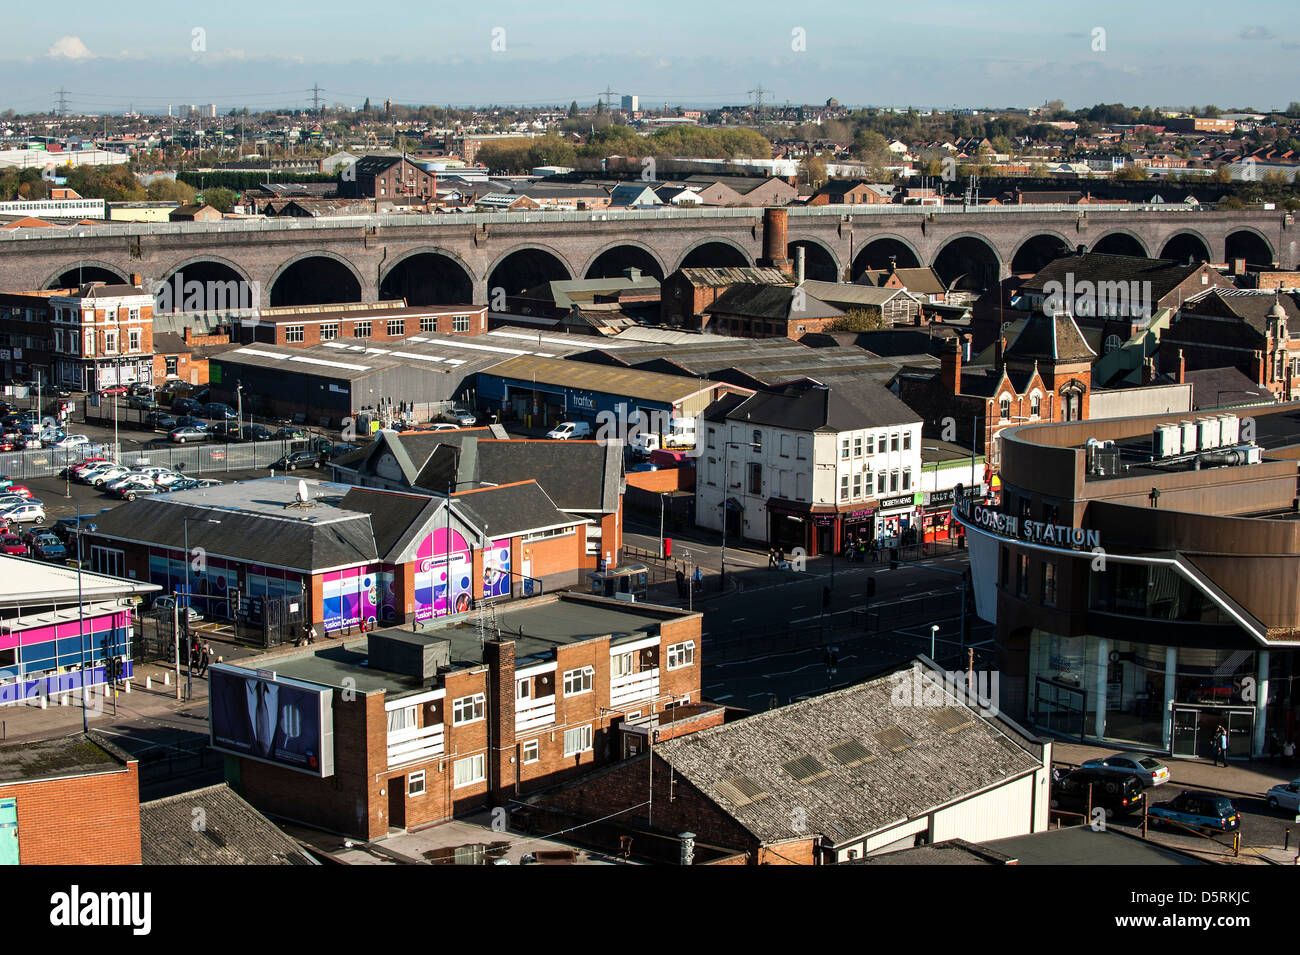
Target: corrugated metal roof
(625,382)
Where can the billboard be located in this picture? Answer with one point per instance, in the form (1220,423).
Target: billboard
(262,716)
(443,580)
(496,569)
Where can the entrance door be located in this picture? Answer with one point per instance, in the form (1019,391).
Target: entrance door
(1186,730)
(8,831)
(397,803)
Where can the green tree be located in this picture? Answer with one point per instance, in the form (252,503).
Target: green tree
(220,198)
(170,190)
(573,110)
(858,320)
(812,172)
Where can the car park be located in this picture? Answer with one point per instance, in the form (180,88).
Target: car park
(1150,770)
(297,459)
(189,433)
(569,430)
(71,441)
(255,432)
(219,410)
(187,406)
(111,473)
(143,402)
(224,431)
(1284,796)
(1197,809)
(290,433)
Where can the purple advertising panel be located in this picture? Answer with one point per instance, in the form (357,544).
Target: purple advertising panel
(496,569)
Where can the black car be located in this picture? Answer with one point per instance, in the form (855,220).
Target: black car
(1195,809)
(1116,795)
(297,459)
(160,421)
(255,432)
(187,406)
(225,431)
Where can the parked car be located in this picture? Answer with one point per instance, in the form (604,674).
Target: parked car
(112,390)
(292,434)
(207,482)
(129,492)
(13,545)
(567,430)
(460,416)
(438,426)
(5,481)
(160,421)
(219,410)
(29,442)
(21,490)
(224,431)
(189,433)
(111,473)
(26,513)
(143,402)
(1150,770)
(1198,809)
(338,450)
(71,441)
(11,500)
(185,484)
(165,605)
(1113,793)
(48,547)
(168,479)
(255,432)
(87,475)
(187,406)
(1284,796)
(297,459)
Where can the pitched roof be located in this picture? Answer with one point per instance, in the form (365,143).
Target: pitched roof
(1164,274)
(232,833)
(923,280)
(730,275)
(624,382)
(1050,338)
(846,295)
(1252,306)
(853,760)
(576,475)
(510,509)
(846,404)
(777,302)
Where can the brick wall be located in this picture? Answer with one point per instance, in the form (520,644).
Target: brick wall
(79,820)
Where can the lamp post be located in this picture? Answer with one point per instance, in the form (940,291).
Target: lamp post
(189,677)
(81,620)
(726,488)
(934,633)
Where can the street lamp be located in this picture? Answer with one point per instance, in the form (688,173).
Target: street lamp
(81,620)
(726,489)
(934,633)
(189,678)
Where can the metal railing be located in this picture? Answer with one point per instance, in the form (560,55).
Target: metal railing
(50,462)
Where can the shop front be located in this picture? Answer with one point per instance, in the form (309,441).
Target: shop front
(897,520)
(818,532)
(858,528)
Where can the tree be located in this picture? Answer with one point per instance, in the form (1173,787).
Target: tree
(220,199)
(812,171)
(1223,173)
(169,190)
(858,320)
(573,110)
(869,146)
(366,107)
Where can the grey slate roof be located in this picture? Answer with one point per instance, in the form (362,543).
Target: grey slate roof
(1050,338)
(846,404)
(232,832)
(896,761)
(576,475)
(512,509)
(846,295)
(1163,274)
(730,275)
(776,302)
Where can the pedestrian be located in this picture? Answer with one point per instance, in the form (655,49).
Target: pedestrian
(699,580)
(1220,745)
(771,557)
(1288,751)
(780,558)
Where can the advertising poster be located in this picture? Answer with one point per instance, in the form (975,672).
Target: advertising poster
(442,580)
(387,597)
(496,569)
(264,717)
(332,594)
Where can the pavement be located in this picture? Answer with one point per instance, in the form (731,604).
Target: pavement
(1250,778)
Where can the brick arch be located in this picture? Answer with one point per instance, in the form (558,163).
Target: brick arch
(633,243)
(878,236)
(719,240)
(315,254)
(53,277)
(528,247)
(1251,230)
(813,240)
(1195,234)
(1142,243)
(428,250)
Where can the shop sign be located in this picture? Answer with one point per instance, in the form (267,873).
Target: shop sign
(858,515)
(895,503)
(584,402)
(824,520)
(1034,532)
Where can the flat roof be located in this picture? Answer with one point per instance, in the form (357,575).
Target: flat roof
(26,582)
(606,379)
(1081,845)
(79,755)
(270,495)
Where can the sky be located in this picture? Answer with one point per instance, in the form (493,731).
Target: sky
(149,53)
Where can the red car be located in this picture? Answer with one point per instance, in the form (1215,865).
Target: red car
(9,446)
(113,390)
(13,545)
(20,489)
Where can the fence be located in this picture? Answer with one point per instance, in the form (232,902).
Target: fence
(50,462)
(207,458)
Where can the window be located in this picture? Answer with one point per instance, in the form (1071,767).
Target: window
(110,342)
(577,740)
(460,323)
(1002,566)
(133,315)
(871,444)
(532,751)
(1049,583)
(470,770)
(428,323)
(907,441)
(396,327)
(133,339)
(294,333)
(1035,404)
(907,479)
(681,655)
(844,449)
(468,709)
(756,479)
(623,664)
(401,719)
(857,485)
(361,330)
(893,442)
(893,480)
(578,681)
(547,534)
(415,784)
(756,439)
(785,445)
(523,689)
(1022,575)
(844,487)
(711,438)
(1004,407)
(329,331)
(857,445)
(171,366)
(881,478)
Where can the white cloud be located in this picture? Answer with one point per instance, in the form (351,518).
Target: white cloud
(1256,33)
(69,48)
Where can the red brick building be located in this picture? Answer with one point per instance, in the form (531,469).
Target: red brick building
(769,311)
(686,293)
(461,716)
(73,800)
(386,177)
(304,326)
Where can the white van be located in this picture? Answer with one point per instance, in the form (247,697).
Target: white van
(566,430)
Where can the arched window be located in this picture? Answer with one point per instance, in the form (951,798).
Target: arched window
(1035,404)
(1004,407)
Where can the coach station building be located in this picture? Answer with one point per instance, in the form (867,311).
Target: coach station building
(1144,575)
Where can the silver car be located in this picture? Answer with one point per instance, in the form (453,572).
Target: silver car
(1284,796)
(1150,770)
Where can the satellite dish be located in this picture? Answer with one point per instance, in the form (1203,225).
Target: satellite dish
(302,497)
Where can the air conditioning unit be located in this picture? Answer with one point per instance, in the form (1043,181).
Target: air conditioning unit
(1229,429)
(1207,433)
(1188,429)
(1166,441)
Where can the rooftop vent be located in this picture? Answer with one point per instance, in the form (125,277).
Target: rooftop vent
(740,791)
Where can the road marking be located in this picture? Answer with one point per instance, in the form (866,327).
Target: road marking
(739,620)
(798,606)
(719,699)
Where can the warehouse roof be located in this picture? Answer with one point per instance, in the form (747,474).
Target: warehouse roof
(623,382)
(232,833)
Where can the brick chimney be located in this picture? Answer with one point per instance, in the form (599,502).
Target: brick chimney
(999,349)
(499,655)
(1182,368)
(950,368)
(775,236)
(1261,368)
